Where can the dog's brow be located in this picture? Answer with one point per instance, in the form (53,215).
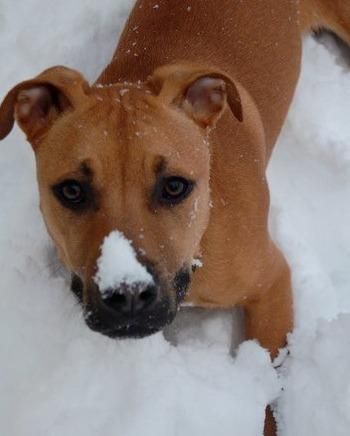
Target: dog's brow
(83,171)
(160,165)
(86,170)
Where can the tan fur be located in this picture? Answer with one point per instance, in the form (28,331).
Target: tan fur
(148,106)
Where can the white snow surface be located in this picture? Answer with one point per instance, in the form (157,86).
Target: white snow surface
(118,264)
(59,378)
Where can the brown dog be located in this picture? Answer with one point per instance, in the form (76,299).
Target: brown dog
(170,147)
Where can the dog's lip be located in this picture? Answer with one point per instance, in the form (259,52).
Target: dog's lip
(131,329)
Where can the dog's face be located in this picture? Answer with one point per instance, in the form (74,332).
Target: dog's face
(132,158)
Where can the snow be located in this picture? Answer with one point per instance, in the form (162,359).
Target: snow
(317,383)
(197,263)
(59,378)
(118,264)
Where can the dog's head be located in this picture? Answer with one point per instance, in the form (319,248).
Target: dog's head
(129,160)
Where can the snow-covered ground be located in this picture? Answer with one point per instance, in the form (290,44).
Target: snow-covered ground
(58,378)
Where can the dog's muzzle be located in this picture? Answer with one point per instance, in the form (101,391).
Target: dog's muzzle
(132,311)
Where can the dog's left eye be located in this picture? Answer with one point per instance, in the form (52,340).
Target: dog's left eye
(71,193)
(174,190)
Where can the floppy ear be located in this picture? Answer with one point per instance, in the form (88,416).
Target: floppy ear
(37,103)
(202,93)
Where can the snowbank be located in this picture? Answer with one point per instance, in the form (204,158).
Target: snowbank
(316,398)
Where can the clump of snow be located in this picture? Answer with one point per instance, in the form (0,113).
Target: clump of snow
(316,396)
(197,263)
(118,264)
(123,91)
(60,378)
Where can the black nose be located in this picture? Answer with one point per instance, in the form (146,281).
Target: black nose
(131,299)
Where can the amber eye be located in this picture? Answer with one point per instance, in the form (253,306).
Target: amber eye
(71,193)
(175,189)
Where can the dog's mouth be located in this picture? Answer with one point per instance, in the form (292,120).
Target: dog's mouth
(102,319)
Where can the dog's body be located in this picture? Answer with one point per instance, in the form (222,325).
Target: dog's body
(153,150)
(259,45)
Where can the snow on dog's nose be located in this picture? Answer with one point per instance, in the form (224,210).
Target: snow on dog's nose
(118,265)
(125,285)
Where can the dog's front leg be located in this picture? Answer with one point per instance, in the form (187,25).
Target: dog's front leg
(270,427)
(269,316)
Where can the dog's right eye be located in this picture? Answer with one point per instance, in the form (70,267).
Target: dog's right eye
(71,194)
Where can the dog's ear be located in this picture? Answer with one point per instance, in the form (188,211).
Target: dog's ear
(202,93)
(37,103)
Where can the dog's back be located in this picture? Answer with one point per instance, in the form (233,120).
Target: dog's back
(256,42)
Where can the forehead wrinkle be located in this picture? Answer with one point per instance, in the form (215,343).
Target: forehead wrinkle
(124,139)
(136,165)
